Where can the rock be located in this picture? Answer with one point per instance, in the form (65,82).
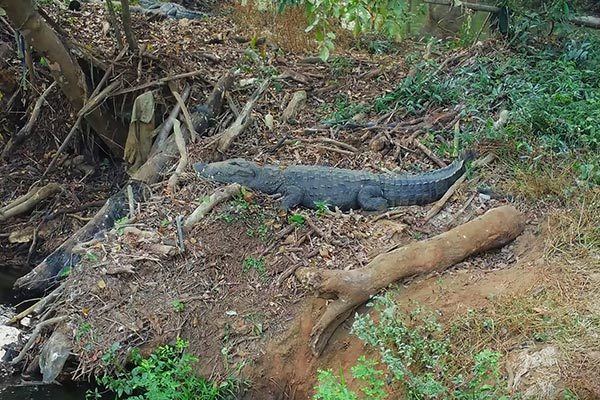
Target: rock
(8,334)
(269,121)
(297,103)
(535,372)
(53,356)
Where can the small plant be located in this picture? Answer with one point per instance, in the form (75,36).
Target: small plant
(262,231)
(322,208)
(178,305)
(253,263)
(120,225)
(83,330)
(165,222)
(331,387)
(167,374)
(296,219)
(91,257)
(417,354)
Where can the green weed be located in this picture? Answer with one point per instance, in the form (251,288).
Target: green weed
(253,263)
(296,219)
(322,207)
(418,358)
(167,374)
(178,305)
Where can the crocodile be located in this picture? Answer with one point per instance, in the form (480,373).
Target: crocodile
(310,186)
(168,9)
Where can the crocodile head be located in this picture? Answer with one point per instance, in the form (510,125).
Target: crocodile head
(235,170)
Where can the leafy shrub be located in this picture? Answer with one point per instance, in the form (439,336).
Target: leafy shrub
(167,374)
(418,359)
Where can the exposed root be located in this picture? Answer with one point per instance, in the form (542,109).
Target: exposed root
(350,289)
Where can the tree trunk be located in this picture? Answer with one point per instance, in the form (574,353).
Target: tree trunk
(350,289)
(126,18)
(65,70)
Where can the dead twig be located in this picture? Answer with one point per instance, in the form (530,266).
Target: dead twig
(37,307)
(242,121)
(186,113)
(161,81)
(28,201)
(20,136)
(429,154)
(167,126)
(34,335)
(183,160)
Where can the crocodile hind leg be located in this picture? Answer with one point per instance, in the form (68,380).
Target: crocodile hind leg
(292,197)
(370,198)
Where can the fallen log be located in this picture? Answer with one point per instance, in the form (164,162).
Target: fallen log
(351,289)
(44,275)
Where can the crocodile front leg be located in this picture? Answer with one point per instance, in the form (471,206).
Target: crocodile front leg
(292,197)
(370,198)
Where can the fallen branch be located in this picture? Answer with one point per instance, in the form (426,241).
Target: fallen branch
(183,160)
(37,307)
(208,204)
(159,82)
(28,201)
(438,205)
(588,21)
(186,114)
(20,136)
(90,105)
(34,335)
(351,289)
(242,121)
(167,126)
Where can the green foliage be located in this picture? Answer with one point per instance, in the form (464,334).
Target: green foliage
(296,219)
(387,17)
(167,374)
(178,305)
(322,207)
(552,95)
(253,263)
(417,355)
(120,225)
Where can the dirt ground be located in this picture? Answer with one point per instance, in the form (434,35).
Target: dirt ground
(231,294)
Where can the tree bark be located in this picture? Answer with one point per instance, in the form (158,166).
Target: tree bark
(65,70)
(126,18)
(350,289)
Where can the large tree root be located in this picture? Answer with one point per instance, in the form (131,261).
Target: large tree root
(352,288)
(45,274)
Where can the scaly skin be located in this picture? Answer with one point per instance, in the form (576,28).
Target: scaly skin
(343,188)
(171,10)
